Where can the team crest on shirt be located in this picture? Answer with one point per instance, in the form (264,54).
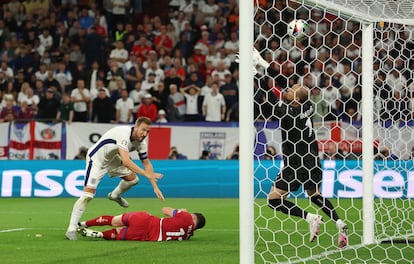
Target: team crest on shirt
(124,142)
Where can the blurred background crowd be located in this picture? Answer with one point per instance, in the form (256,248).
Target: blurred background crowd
(112,61)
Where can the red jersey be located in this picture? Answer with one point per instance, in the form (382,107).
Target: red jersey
(145,227)
(141,51)
(164,40)
(149,111)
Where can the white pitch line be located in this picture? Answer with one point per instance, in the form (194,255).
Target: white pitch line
(13,230)
(324,254)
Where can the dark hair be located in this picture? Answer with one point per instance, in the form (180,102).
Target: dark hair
(144,120)
(201,221)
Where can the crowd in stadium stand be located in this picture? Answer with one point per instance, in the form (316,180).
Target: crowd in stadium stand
(81,60)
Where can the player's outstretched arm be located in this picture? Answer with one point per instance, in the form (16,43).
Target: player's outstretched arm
(152,177)
(169,211)
(130,164)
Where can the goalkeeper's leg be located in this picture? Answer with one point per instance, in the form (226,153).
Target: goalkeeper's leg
(328,209)
(277,202)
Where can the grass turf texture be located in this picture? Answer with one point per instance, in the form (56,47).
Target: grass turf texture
(217,243)
(45,220)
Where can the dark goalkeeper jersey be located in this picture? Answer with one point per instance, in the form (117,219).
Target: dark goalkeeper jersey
(299,146)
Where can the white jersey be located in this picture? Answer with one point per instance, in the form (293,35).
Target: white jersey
(105,151)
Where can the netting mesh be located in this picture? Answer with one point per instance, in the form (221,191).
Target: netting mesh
(329,63)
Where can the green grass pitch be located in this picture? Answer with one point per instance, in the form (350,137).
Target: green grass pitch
(32,231)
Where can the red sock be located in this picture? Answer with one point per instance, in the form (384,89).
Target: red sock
(109,234)
(100,221)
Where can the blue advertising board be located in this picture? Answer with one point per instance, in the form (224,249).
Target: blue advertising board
(200,178)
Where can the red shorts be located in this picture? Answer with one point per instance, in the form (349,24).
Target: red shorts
(137,225)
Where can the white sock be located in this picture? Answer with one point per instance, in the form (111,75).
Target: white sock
(78,208)
(122,187)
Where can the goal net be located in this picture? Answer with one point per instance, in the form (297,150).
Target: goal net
(352,103)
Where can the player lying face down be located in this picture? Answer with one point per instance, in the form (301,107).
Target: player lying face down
(142,226)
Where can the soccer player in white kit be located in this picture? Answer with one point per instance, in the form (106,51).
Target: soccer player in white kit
(111,155)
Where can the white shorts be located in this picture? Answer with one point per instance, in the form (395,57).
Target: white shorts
(95,172)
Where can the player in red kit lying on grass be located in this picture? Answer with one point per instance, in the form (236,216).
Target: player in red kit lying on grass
(142,226)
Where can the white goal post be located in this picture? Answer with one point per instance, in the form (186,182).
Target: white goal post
(367,13)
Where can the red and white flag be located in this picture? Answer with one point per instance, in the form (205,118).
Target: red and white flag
(47,142)
(4,140)
(20,141)
(35,140)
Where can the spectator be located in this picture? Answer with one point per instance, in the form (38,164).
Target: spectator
(92,75)
(93,48)
(50,81)
(102,108)
(81,155)
(175,155)
(214,106)
(194,80)
(178,101)
(119,10)
(191,94)
(40,89)
(206,89)
(184,46)
(331,96)
(230,91)
(205,155)
(48,106)
(142,47)
(8,71)
(209,10)
(231,46)
(186,9)
(25,62)
(66,110)
(113,75)
(117,90)
(41,73)
(172,78)
(198,58)
(9,112)
(148,108)
(46,42)
(29,97)
(149,82)
(220,72)
(160,96)
(85,20)
(119,54)
(136,95)
(80,97)
(153,68)
(26,112)
(163,40)
(124,107)
(99,84)
(162,116)
(64,77)
(203,43)
(133,71)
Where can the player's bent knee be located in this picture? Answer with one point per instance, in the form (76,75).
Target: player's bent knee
(134,181)
(86,196)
